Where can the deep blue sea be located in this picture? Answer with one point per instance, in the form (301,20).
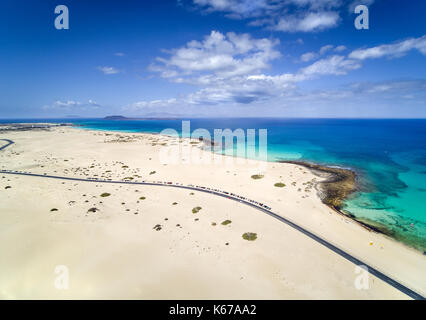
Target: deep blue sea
(388,155)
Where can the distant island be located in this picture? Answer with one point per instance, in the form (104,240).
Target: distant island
(116,118)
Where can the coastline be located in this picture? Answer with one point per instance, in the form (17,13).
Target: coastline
(277,265)
(338,183)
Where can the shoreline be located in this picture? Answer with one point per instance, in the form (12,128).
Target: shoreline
(280,262)
(339,184)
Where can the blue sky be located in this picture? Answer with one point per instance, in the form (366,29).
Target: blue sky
(283,58)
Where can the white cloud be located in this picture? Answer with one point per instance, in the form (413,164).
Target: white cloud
(349,100)
(314,21)
(93,103)
(334,65)
(233,70)
(308,56)
(340,48)
(152,104)
(108,70)
(71,105)
(66,104)
(325,49)
(119,54)
(280,15)
(218,54)
(402,87)
(394,50)
(246,89)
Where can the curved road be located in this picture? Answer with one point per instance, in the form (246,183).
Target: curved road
(311,235)
(9,142)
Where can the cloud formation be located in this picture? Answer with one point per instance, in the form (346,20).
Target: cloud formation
(71,105)
(309,56)
(232,70)
(394,50)
(221,55)
(281,15)
(108,70)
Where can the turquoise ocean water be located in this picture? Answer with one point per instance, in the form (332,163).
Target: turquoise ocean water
(388,155)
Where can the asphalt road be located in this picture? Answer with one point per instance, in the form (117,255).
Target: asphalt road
(311,235)
(9,142)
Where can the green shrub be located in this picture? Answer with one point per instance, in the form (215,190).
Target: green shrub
(226,222)
(257,176)
(250,236)
(196,209)
(279,185)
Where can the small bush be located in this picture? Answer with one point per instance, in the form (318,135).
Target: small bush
(226,222)
(196,209)
(105,194)
(279,185)
(142,198)
(93,210)
(250,236)
(157,227)
(174,203)
(54,209)
(257,176)
(153,172)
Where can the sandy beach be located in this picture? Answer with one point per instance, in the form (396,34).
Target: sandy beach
(148,242)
